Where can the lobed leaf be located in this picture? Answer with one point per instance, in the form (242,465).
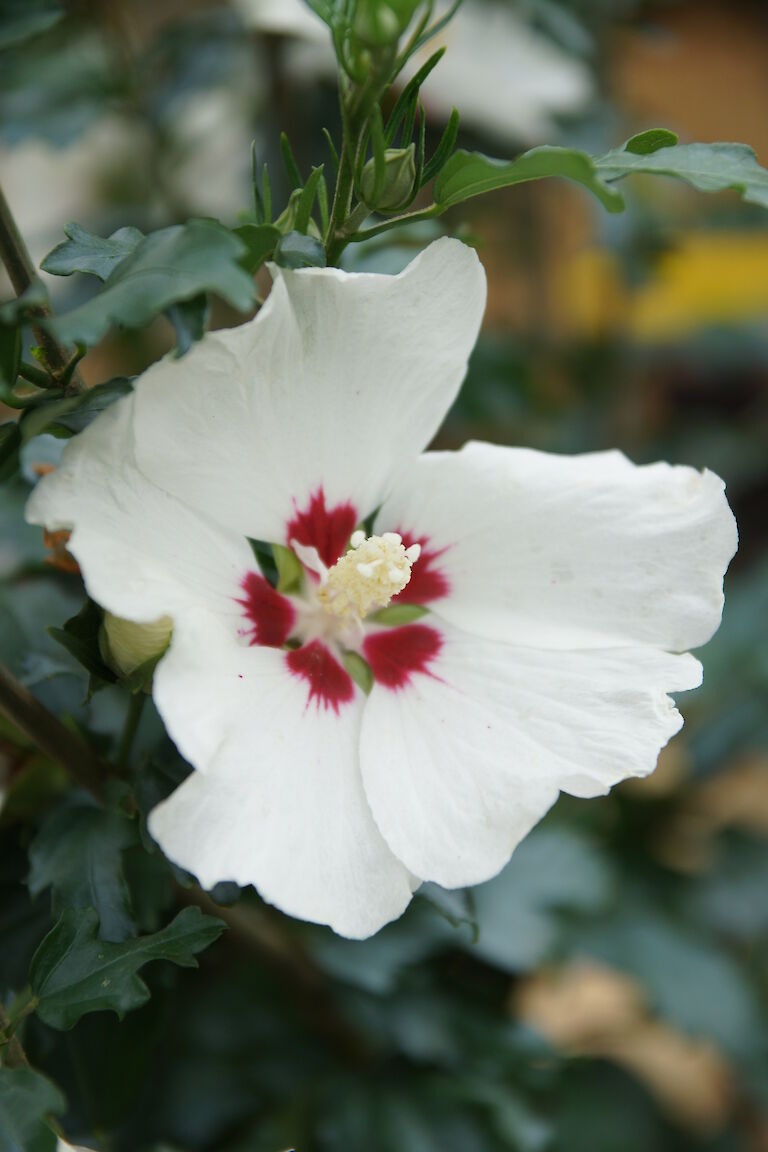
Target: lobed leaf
(27,1100)
(708,167)
(468,174)
(83,251)
(73,972)
(78,854)
(174,264)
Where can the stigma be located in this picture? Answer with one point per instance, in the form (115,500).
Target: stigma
(367,576)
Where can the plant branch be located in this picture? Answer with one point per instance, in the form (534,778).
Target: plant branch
(49,735)
(22,273)
(14,1055)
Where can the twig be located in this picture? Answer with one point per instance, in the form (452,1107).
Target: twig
(51,736)
(22,273)
(15,1056)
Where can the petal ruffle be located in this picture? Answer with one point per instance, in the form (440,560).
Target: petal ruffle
(279,802)
(461,760)
(569,552)
(142,552)
(330,392)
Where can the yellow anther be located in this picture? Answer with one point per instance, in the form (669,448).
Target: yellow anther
(368,575)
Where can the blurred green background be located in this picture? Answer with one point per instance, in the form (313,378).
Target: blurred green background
(608,992)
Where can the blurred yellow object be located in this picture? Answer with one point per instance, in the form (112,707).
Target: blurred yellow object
(708,278)
(591,1009)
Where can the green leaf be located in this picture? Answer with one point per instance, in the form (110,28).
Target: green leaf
(10,355)
(174,264)
(469,174)
(78,854)
(80,637)
(297,251)
(27,1100)
(73,972)
(83,251)
(289,163)
(73,413)
(189,318)
(260,241)
(307,200)
(708,167)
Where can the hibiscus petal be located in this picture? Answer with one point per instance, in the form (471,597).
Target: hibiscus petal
(339,381)
(569,552)
(143,553)
(461,760)
(280,802)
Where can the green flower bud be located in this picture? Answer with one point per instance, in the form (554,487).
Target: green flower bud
(400,176)
(379,23)
(125,645)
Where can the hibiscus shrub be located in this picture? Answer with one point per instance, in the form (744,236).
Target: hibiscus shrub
(290,698)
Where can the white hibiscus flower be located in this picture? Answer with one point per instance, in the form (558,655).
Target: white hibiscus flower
(560,592)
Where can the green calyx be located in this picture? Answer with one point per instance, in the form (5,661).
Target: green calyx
(391,191)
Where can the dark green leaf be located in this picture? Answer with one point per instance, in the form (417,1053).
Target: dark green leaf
(260,241)
(10,443)
(189,318)
(444,148)
(27,1100)
(10,355)
(85,252)
(469,174)
(73,972)
(708,167)
(78,854)
(80,637)
(166,267)
(73,413)
(297,251)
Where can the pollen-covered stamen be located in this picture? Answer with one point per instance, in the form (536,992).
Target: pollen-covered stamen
(366,578)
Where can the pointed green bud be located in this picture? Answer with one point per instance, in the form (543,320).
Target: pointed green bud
(125,645)
(399,178)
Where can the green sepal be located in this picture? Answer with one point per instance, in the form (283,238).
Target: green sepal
(260,241)
(290,573)
(295,250)
(360,670)
(395,615)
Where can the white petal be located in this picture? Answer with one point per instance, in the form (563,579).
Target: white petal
(280,803)
(339,381)
(569,552)
(143,553)
(460,763)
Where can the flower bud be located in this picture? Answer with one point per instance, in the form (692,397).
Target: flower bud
(379,23)
(400,176)
(125,645)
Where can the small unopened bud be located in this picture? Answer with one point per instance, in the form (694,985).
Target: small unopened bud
(125,645)
(400,176)
(379,23)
